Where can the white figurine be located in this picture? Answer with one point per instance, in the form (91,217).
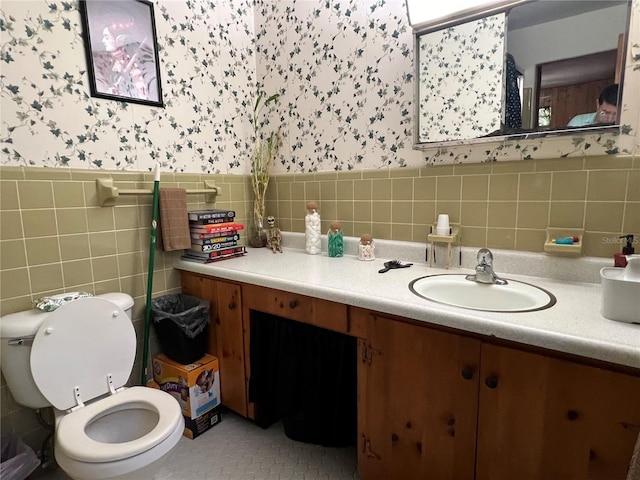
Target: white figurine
(366,248)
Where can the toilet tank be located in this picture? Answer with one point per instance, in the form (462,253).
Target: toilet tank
(16,335)
(123,300)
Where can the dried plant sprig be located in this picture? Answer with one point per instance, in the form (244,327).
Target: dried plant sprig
(265,151)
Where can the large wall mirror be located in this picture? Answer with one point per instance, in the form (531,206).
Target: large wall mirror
(525,72)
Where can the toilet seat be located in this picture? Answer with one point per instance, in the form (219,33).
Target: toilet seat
(83,350)
(73,441)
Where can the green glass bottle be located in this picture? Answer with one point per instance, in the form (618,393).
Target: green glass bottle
(335,240)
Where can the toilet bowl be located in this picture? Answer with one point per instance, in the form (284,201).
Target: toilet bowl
(78,359)
(126,433)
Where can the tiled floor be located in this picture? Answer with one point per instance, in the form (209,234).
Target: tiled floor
(236,449)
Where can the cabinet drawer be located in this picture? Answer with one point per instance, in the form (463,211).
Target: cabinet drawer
(284,304)
(330,315)
(314,311)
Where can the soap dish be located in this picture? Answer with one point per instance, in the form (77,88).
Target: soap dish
(564,250)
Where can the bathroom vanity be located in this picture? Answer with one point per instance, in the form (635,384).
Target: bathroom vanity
(445,392)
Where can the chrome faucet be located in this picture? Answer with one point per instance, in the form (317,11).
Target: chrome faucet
(484,269)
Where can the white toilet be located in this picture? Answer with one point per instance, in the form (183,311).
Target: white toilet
(78,359)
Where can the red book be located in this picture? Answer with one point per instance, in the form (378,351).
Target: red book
(213,256)
(217,228)
(215,238)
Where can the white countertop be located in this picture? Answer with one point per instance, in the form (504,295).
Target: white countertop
(573,325)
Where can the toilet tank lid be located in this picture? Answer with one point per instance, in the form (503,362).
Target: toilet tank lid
(27,322)
(123,300)
(21,324)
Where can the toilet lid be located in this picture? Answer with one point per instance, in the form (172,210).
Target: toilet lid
(81,344)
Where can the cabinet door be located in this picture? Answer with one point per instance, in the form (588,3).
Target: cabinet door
(542,418)
(230,346)
(417,402)
(225,335)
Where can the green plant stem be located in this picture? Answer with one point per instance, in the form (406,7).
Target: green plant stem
(265,150)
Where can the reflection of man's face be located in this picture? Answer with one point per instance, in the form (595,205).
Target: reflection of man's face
(108,40)
(606,113)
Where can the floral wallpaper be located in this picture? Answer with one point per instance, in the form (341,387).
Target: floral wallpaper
(460,80)
(345,72)
(49,119)
(344,69)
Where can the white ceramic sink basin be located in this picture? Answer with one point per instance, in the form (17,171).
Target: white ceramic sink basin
(456,290)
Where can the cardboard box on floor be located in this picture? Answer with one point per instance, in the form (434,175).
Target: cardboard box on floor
(196,386)
(194,428)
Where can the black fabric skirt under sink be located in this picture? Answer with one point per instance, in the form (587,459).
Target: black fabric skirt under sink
(306,376)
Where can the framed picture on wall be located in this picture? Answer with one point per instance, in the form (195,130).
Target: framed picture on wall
(121,47)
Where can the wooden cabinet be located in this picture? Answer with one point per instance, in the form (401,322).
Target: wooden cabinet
(293,306)
(417,409)
(229,339)
(226,335)
(543,418)
(230,346)
(439,405)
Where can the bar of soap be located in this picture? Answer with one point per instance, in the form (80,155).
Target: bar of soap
(566,240)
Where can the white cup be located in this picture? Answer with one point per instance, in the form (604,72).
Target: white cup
(442,227)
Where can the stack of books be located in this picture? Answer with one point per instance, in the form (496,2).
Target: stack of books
(214,236)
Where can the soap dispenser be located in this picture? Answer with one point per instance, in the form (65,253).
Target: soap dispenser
(620,259)
(621,291)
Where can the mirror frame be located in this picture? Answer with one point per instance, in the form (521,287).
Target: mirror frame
(619,139)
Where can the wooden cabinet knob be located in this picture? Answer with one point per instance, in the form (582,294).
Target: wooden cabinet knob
(232,305)
(572,415)
(467,373)
(491,381)
(293,304)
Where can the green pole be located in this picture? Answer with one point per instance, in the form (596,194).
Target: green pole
(152,254)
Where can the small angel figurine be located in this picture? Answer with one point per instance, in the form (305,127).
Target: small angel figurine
(274,236)
(366,248)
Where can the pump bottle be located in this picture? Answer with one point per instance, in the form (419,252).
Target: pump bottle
(620,258)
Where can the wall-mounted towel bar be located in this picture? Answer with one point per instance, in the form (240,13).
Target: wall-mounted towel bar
(107,192)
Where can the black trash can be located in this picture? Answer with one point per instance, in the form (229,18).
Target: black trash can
(181,322)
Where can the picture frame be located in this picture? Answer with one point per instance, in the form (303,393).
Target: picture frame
(122,50)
